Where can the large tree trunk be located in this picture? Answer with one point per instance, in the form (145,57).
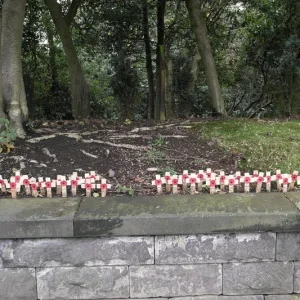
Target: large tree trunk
(2,114)
(170,104)
(79,86)
(150,75)
(159,109)
(198,23)
(13,13)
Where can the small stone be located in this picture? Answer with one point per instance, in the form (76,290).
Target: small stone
(33,161)
(152,169)
(111,173)
(22,165)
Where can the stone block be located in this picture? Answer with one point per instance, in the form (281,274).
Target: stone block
(37,217)
(83,283)
(17,284)
(288,246)
(185,214)
(258,278)
(172,281)
(283,297)
(76,252)
(253,297)
(215,248)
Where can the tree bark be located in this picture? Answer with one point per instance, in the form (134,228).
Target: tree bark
(150,75)
(198,22)
(79,86)
(13,13)
(170,104)
(159,109)
(2,114)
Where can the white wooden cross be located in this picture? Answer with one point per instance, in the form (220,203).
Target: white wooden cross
(58,185)
(185,177)
(74,181)
(259,181)
(231,182)
(18,181)
(222,180)
(3,184)
(12,185)
(34,187)
(201,176)
(167,178)
(278,179)
(268,181)
(94,176)
(88,186)
(26,183)
(284,181)
(41,186)
(211,182)
(48,185)
(175,180)
(103,187)
(63,184)
(158,182)
(246,179)
(294,178)
(193,179)
(238,178)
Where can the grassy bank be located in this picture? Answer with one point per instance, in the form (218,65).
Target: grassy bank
(263,145)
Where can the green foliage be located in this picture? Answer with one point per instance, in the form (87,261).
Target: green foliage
(155,155)
(261,145)
(125,190)
(160,141)
(7,135)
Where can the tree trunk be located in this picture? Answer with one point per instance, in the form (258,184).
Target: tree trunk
(150,75)
(2,114)
(198,22)
(170,104)
(79,86)
(159,109)
(13,13)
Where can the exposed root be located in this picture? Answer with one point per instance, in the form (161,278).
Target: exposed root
(136,136)
(89,154)
(128,146)
(41,138)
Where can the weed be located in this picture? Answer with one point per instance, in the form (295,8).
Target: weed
(168,169)
(7,135)
(155,155)
(160,141)
(125,190)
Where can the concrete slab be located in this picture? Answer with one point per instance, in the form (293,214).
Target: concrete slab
(37,217)
(188,214)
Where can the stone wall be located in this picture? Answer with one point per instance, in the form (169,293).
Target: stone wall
(201,247)
(246,266)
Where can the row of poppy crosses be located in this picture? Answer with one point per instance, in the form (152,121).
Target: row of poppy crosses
(44,187)
(220,182)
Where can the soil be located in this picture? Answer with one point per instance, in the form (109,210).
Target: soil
(127,155)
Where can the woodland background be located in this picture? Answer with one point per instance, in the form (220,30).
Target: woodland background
(148,59)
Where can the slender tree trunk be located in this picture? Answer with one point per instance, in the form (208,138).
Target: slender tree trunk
(170,105)
(198,22)
(159,109)
(13,90)
(2,114)
(79,86)
(149,67)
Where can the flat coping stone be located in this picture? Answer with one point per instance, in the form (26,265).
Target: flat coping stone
(186,214)
(37,217)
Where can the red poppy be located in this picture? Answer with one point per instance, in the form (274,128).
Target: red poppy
(185,176)
(17,178)
(12,185)
(285,180)
(268,178)
(247,180)
(231,182)
(48,185)
(278,176)
(2,182)
(192,180)
(158,182)
(294,177)
(200,176)
(255,175)
(174,181)
(73,182)
(103,186)
(212,183)
(167,177)
(33,186)
(26,182)
(222,178)
(238,178)
(88,186)
(260,179)
(63,183)
(208,175)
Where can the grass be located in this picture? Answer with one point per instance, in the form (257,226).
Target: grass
(264,145)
